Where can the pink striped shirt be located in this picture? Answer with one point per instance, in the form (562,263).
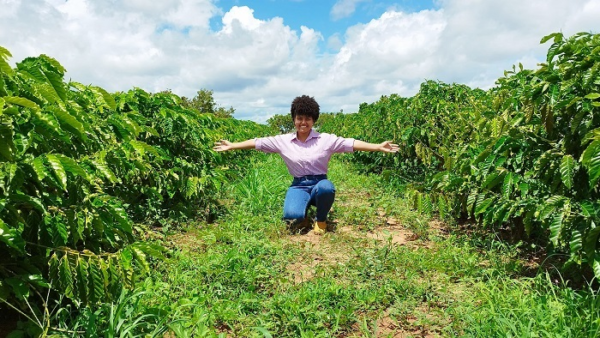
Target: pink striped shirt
(305,158)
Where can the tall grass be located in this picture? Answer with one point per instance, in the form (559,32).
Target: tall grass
(237,276)
(236,273)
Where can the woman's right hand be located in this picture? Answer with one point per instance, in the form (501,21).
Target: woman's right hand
(223,145)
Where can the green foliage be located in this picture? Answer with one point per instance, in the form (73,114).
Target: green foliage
(122,317)
(282,123)
(243,277)
(525,154)
(204,102)
(81,168)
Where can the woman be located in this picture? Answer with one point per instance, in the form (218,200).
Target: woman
(306,154)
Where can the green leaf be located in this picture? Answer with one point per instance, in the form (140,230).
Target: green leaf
(126,259)
(21,101)
(567,167)
(96,281)
(108,98)
(591,135)
(426,206)
(507,185)
(48,93)
(12,238)
(115,274)
(40,168)
(596,266)
(7,145)
(36,279)
(592,96)
(591,240)
(498,145)
(48,122)
(59,170)
(82,279)
(121,216)
(494,179)
(590,159)
(577,120)
(104,269)
(57,67)
(472,199)
(58,230)
(482,156)
(555,228)
(68,121)
(53,268)
(105,171)
(19,288)
(56,80)
(153,250)
(65,276)
(19,199)
(576,242)
(70,165)
(588,209)
(557,37)
(549,118)
(191,186)
(4,66)
(482,207)
(140,257)
(142,148)
(131,125)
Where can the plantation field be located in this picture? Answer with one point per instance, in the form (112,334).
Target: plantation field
(118,219)
(384,271)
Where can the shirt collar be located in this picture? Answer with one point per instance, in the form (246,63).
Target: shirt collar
(313,134)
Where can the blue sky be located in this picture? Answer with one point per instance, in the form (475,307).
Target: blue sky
(320,15)
(258,55)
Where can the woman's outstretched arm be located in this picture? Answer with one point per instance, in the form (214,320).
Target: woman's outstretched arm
(225,145)
(386,147)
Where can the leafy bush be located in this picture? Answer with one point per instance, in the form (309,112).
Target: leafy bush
(80,167)
(525,154)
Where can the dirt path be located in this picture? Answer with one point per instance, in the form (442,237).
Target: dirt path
(378,228)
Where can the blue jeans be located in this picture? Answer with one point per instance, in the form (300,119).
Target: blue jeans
(305,191)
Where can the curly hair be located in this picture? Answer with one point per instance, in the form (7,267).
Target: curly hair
(305,106)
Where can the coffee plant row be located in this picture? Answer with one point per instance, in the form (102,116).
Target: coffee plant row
(523,155)
(81,169)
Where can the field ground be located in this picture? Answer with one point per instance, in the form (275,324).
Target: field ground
(382,271)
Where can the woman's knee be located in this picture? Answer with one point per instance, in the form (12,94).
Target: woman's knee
(294,214)
(325,187)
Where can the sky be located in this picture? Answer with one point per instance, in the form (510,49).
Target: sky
(257,56)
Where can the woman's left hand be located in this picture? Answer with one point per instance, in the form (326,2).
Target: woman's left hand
(388,147)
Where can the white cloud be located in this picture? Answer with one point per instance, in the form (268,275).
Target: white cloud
(344,8)
(259,66)
(242,17)
(335,42)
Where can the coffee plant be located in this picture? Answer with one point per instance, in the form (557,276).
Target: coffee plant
(525,154)
(82,169)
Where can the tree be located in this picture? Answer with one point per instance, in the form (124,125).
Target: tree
(283,123)
(204,102)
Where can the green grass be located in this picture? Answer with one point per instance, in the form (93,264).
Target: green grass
(239,277)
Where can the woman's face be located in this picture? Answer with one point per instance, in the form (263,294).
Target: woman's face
(303,124)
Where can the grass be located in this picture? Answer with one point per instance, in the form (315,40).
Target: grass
(385,271)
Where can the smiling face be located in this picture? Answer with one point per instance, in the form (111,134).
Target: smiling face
(303,124)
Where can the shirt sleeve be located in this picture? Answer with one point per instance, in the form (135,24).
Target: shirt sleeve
(341,144)
(268,144)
